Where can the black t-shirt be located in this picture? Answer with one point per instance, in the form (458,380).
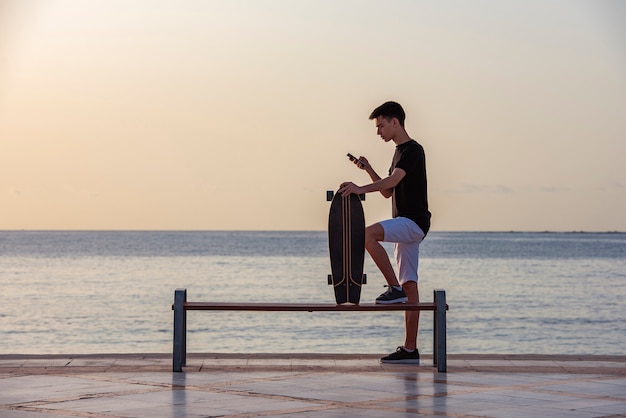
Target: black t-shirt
(410,198)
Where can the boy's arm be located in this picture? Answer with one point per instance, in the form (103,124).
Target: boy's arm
(363,164)
(375,177)
(384,186)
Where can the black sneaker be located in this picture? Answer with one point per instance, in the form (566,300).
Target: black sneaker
(392,295)
(401,356)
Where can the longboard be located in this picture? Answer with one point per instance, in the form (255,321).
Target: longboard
(346,243)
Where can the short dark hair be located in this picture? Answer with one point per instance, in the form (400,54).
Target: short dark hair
(389,110)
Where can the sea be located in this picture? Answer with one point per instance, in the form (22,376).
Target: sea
(90,292)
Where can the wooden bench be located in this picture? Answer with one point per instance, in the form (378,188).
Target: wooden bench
(181,306)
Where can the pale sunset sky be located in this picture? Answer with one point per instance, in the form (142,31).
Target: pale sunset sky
(237,115)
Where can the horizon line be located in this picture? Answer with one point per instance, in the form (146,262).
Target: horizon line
(547,231)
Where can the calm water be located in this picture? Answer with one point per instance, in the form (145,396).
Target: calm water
(111,292)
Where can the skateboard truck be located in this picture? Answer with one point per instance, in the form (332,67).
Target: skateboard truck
(330,194)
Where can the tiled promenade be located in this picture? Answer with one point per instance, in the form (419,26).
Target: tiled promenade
(310,386)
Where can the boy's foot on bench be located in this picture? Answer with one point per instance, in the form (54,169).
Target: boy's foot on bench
(401,356)
(392,295)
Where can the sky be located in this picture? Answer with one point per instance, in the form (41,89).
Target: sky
(237,115)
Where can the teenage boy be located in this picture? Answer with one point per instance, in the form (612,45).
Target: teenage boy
(410,222)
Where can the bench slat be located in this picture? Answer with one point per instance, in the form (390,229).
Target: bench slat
(305,307)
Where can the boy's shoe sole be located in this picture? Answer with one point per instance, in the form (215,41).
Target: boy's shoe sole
(405,361)
(390,302)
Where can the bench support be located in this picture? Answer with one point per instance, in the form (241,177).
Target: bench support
(180,330)
(439,330)
(181,306)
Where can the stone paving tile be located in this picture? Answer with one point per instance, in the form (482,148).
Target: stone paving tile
(109,404)
(30,414)
(532,411)
(621,382)
(589,388)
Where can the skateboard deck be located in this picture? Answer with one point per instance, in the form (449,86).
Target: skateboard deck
(346,242)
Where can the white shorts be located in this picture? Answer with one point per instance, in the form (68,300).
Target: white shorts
(407,237)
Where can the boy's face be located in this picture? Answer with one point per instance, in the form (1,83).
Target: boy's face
(386,129)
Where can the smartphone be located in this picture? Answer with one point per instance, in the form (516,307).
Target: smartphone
(353,159)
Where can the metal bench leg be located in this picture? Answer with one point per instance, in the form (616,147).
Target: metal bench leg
(439,331)
(435,350)
(179,358)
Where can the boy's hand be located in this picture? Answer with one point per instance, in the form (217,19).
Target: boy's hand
(362,163)
(348,188)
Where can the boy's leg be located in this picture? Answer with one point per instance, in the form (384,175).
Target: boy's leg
(407,257)
(374,234)
(411,318)
(407,235)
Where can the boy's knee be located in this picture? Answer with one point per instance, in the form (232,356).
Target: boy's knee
(374,233)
